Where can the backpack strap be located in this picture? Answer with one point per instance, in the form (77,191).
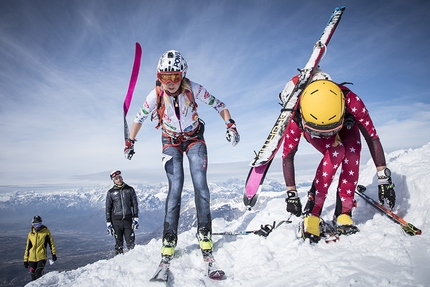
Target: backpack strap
(190,95)
(160,106)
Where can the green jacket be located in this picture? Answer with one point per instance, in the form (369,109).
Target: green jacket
(37,241)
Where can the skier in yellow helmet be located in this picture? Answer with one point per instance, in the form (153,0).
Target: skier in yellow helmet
(331,117)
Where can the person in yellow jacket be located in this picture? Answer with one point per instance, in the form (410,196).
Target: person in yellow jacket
(35,254)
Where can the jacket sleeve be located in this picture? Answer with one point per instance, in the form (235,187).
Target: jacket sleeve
(204,96)
(358,110)
(134,202)
(27,248)
(108,207)
(291,141)
(147,107)
(51,243)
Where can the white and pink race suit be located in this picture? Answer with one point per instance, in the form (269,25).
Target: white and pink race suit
(346,154)
(188,120)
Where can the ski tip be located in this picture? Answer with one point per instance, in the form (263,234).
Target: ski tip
(249,202)
(217,275)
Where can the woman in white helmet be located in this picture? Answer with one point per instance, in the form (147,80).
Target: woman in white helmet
(331,117)
(173,104)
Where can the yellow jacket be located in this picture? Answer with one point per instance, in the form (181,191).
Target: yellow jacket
(37,241)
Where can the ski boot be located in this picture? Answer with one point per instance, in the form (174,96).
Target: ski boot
(345,225)
(168,248)
(311,228)
(205,240)
(119,250)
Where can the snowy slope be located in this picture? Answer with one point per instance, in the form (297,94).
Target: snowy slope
(379,255)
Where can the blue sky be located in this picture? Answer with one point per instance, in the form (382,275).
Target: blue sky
(65,68)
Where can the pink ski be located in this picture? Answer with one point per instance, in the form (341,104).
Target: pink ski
(254,183)
(261,163)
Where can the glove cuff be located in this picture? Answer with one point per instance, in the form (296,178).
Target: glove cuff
(385,173)
(292,194)
(384,176)
(229,123)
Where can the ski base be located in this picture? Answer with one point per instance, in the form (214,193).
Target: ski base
(162,272)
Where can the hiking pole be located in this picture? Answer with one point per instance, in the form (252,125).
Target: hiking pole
(409,228)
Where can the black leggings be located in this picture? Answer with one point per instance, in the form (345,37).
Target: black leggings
(36,269)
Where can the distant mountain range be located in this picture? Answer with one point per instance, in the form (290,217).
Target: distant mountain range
(77,221)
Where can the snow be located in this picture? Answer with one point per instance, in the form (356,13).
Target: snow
(381,254)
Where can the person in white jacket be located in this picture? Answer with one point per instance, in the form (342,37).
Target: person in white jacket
(173,104)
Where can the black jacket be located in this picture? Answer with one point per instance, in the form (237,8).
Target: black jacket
(121,203)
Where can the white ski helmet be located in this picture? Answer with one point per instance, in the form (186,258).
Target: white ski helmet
(172,61)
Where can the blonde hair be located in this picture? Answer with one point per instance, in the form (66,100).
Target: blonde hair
(186,85)
(337,140)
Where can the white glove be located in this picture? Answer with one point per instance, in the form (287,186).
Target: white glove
(109,228)
(135,224)
(231,134)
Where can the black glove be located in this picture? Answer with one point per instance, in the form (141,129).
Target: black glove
(386,191)
(294,205)
(26,264)
(54,257)
(129,148)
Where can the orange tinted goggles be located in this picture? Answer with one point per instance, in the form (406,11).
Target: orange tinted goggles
(169,77)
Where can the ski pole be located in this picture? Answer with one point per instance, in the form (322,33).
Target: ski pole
(409,228)
(264,231)
(235,233)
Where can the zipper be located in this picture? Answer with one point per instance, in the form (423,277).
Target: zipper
(35,247)
(122,201)
(177,109)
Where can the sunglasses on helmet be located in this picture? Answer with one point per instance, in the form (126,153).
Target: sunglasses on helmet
(114,175)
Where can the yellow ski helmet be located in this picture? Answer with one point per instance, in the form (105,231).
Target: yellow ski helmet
(322,106)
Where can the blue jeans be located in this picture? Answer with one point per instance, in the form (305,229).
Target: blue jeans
(173,157)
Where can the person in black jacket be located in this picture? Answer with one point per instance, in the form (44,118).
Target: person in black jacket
(121,212)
